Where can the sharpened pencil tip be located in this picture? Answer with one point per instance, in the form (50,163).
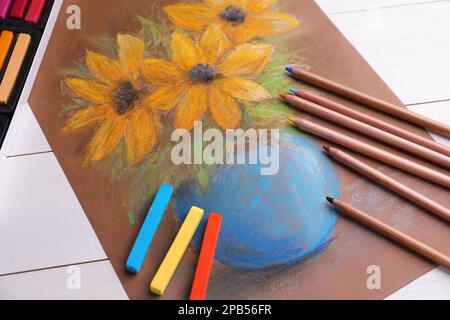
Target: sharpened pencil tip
(326,149)
(289,69)
(330,200)
(283,96)
(293,90)
(293,120)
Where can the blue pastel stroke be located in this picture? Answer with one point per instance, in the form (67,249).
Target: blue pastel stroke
(269,220)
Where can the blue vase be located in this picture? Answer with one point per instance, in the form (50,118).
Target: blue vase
(268,221)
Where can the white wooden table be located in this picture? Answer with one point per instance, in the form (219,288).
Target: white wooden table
(43,229)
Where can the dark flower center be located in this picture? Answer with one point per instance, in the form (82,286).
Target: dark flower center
(233,15)
(202,73)
(124,97)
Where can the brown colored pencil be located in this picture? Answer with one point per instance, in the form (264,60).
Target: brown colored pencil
(388,182)
(373,152)
(380,124)
(368,100)
(391,233)
(373,132)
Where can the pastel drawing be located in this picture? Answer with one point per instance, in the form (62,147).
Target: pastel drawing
(219,62)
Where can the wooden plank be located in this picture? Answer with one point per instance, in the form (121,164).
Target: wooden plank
(434,285)
(408,46)
(96,281)
(25,134)
(43,224)
(339,6)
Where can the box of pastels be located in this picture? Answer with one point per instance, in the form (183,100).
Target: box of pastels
(17,49)
(22,23)
(25,13)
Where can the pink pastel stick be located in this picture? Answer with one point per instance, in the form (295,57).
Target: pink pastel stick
(35,10)
(18,9)
(4,7)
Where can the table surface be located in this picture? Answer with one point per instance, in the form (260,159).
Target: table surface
(46,239)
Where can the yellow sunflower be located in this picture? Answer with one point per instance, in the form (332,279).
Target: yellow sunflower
(119,103)
(208,75)
(241,20)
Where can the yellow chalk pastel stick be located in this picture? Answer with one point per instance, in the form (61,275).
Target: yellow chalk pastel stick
(176,251)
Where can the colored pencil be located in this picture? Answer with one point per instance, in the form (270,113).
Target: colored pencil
(149,228)
(380,124)
(206,258)
(365,129)
(176,251)
(388,182)
(14,66)
(368,100)
(391,233)
(373,152)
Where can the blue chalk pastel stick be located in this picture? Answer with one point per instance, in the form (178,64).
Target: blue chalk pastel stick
(148,230)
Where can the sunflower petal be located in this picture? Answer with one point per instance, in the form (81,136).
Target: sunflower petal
(89,90)
(87,117)
(216,4)
(184,52)
(258,6)
(214,43)
(160,72)
(141,135)
(224,109)
(131,54)
(190,16)
(266,24)
(165,97)
(106,139)
(104,68)
(246,60)
(191,107)
(243,89)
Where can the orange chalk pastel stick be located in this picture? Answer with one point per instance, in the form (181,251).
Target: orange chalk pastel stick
(6,39)
(206,258)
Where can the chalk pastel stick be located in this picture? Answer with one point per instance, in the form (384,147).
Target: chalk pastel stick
(206,257)
(6,40)
(14,66)
(18,9)
(4,8)
(35,10)
(176,251)
(148,229)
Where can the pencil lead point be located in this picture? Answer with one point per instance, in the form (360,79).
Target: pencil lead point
(289,69)
(283,96)
(293,120)
(326,149)
(293,90)
(330,200)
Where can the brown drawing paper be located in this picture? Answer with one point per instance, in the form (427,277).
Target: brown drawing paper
(109,96)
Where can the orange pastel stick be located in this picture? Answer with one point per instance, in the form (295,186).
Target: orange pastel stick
(206,258)
(6,39)
(14,65)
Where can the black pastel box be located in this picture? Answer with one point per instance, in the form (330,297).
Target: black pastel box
(25,13)
(4,122)
(21,25)
(7,107)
